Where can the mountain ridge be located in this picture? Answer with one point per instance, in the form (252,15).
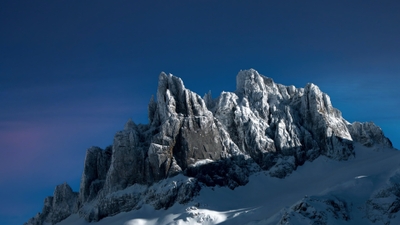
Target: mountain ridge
(262,126)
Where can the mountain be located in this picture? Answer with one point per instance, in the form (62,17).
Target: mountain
(239,158)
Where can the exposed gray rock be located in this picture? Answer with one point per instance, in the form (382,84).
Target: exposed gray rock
(369,134)
(283,167)
(270,121)
(127,160)
(57,207)
(182,131)
(231,172)
(221,141)
(97,163)
(188,132)
(160,195)
(317,210)
(326,124)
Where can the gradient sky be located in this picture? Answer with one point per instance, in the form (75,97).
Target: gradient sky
(73,72)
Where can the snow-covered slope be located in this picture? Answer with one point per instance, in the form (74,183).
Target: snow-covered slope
(241,157)
(325,190)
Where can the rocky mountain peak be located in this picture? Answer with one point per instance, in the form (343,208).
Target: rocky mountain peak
(130,125)
(174,99)
(369,135)
(57,207)
(214,141)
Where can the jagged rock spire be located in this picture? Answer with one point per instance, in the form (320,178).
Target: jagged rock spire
(57,207)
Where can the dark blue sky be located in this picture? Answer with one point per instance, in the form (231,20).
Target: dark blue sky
(73,72)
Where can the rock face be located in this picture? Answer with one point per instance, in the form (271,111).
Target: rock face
(57,207)
(317,210)
(271,122)
(221,141)
(97,163)
(181,132)
(160,195)
(369,135)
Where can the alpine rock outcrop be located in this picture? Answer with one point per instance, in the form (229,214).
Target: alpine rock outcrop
(192,141)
